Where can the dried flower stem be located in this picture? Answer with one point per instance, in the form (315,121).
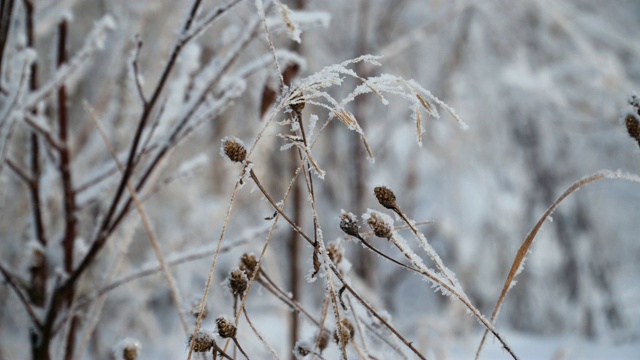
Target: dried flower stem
(422,241)
(264,342)
(518,261)
(455,291)
(278,209)
(375,313)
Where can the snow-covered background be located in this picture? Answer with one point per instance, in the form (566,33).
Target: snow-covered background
(541,84)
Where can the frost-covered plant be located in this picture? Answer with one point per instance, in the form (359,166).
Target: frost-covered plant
(94,144)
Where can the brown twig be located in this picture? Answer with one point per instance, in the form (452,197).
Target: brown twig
(278,209)
(148,108)
(136,71)
(264,342)
(67,187)
(10,278)
(375,314)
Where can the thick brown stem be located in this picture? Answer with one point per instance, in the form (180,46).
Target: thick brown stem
(294,251)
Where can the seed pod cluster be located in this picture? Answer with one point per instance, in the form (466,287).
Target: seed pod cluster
(632,120)
(238,282)
(249,264)
(202,342)
(129,349)
(379,226)
(344,332)
(335,252)
(234,149)
(349,224)
(385,197)
(226,328)
(323,339)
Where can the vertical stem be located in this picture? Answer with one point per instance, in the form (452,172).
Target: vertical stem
(35,145)
(294,251)
(65,157)
(67,186)
(6,10)
(40,340)
(366,264)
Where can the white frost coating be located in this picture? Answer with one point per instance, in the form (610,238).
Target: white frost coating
(294,30)
(286,146)
(80,249)
(311,18)
(302,349)
(246,175)
(285,57)
(313,120)
(66,15)
(95,40)
(619,174)
(126,343)
(195,162)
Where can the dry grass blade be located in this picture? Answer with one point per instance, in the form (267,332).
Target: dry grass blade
(425,103)
(518,262)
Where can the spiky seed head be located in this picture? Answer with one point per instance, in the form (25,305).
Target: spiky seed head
(349,224)
(344,332)
(323,339)
(127,349)
(195,309)
(249,264)
(202,342)
(633,127)
(238,282)
(226,328)
(380,227)
(385,197)
(335,252)
(234,149)
(130,353)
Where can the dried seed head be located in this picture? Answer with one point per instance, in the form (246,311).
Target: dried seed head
(323,340)
(379,226)
(226,328)
(385,197)
(234,149)
(349,224)
(129,349)
(633,127)
(298,104)
(195,309)
(302,348)
(238,282)
(344,332)
(335,252)
(203,341)
(249,264)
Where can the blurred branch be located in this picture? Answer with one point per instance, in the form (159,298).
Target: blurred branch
(6,12)
(13,284)
(177,299)
(136,71)
(106,224)
(18,171)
